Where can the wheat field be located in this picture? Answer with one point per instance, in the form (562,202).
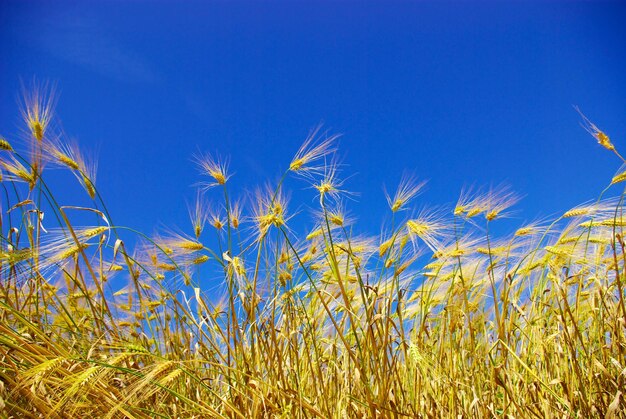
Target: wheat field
(430,316)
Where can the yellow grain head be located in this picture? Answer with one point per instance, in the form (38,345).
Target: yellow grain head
(235,214)
(198,214)
(599,135)
(5,145)
(315,148)
(214,168)
(620,177)
(408,188)
(37,109)
(217,220)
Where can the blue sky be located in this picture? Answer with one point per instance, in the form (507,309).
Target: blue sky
(457,93)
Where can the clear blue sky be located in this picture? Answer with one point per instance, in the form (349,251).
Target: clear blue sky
(458,93)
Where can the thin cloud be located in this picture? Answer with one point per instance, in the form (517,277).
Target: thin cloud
(82,41)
